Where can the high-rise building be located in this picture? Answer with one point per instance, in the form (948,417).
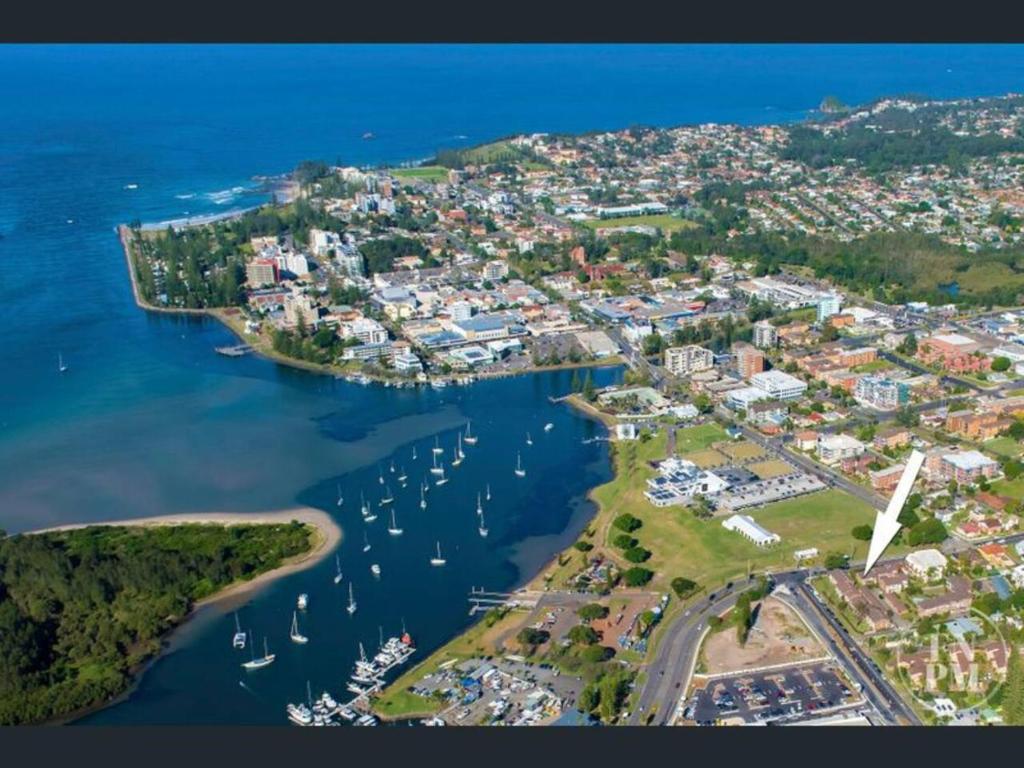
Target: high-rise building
(829,304)
(749,359)
(766,336)
(682,361)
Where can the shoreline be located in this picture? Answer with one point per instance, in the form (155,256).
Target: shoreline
(328,535)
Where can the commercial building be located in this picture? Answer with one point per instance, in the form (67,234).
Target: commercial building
(495,270)
(748,358)
(766,336)
(744,397)
(779,385)
(260,272)
(682,361)
(747,527)
(300,308)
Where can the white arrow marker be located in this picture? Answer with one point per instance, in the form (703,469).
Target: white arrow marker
(887,523)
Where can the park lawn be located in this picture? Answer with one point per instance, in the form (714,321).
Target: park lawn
(664,221)
(743,451)
(872,367)
(1012,488)
(1006,447)
(698,438)
(422,172)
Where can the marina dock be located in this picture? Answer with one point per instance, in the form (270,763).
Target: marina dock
(237,350)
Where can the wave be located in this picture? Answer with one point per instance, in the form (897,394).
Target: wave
(225,196)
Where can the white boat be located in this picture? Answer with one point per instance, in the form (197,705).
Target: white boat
(520,472)
(414,453)
(423,498)
(337,566)
(363,506)
(456,458)
(479,505)
(387,498)
(436,470)
(483,526)
(403,478)
(548,427)
(438,561)
(461,454)
(375,569)
(392,467)
(131,186)
(381,477)
(529,440)
(294,634)
(366,542)
(437,446)
(299,714)
(303,601)
(393,529)
(346,714)
(442,479)
(264,661)
(340,499)
(61,365)
(351,607)
(238,641)
(488,491)
(470,437)
(366,720)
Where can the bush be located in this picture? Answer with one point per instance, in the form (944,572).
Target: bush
(1000,364)
(637,576)
(592,611)
(590,697)
(594,654)
(683,587)
(861,533)
(624,541)
(930,531)
(583,546)
(530,637)
(583,634)
(636,554)
(835,560)
(626,522)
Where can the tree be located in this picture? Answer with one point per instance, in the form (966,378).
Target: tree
(835,560)
(683,587)
(1000,364)
(624,541)
(589,394)
(627,522)
(908,346)
(1013,694)
(583,634)
(636,576)
(592,611)
(907,417)
(862,532)
(530,637)
(1012,469)
(930,531)
(829,332)
(637,554)
(590,697)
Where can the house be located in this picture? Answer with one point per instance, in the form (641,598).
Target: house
(956,601)
(886,479)
(892,438)
(806,440)
(747,527)
(767,412)
(996,555)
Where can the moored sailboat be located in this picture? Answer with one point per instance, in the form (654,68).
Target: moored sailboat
(438,561)
(264,661)
(393,529)
(520,472)
(337,567)
(351,607)
(470,437)
(294,634)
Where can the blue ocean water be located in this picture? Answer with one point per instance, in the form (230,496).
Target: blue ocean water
(147,420)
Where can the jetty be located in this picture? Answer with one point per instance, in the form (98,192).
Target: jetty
(235,350)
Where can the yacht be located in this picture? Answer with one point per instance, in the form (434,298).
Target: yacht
(351,607)
(438,561)
(366,542)
(437,446)
(387,498)
(303,601)
(392,466)
(470,437)
(264,661)
(375,569)
(61,365)
(479,505)
(340,499)
(442,479)
(363,506)
(337,567)
(238,641)
(529,440)
(520,472)
(402,478)
(483,526)
(488,491)
(393,529)
(548,427)
(423,498)
(294,634)
(461,454)
(436,470)
(456,457)
(299,714)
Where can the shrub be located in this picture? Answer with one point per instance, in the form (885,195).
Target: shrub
(683,587)
(626,522)
(592,611)
(624,541)
(637,576)
(637,554)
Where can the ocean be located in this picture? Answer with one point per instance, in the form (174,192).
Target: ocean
(148,420)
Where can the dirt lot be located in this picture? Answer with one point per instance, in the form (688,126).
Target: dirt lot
(742,451)
(778,637)
(708,459)
(770,468)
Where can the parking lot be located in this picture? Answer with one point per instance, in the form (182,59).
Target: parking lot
(786,695)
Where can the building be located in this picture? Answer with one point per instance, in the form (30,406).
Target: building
(766,336)
(679,480)
(977,426)
(350,261)
(496,270)
(927,563)
(481,328)
(747,527)
(682,361)
(366,330)
(881,393)
(300,307)
(259,272)
(892,438)
(407,362)
(743,397)
(597,343)
(767,412)
(748,358)
(953,352)
(886,479)
(779,385)
(968,466)
(834,448)
(829,304)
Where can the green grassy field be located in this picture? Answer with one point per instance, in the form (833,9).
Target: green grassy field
(706,459)
(1006,447)
(1012,488)
(698,438)
(664,222)
(423,173)
(877,365)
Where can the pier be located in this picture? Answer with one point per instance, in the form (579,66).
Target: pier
(483,600)
(237,350)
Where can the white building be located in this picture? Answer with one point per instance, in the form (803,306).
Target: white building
(829,304)
(300,306)
(744,397)
(367,330)
(834,448)
(766,335)
(496,269)
(679,481)
(682,361)
(779,385)
(927,563)
(321,241)
(747,527)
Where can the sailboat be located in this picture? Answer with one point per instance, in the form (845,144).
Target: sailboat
(238,641)
(436,470)
(381,476)
(351,608)
(470,437)
(437,446)
(362,505)
(442,479)
(264,661)
(294,634)
(337,566)
(438,561)
(423,498)
(393,529)
(414,453)
(340,499)
(488,491)
(375,569)
(387,498)
(392,466)
(483,526)
(479,506)
(366,542)
(520,472)
(460,452)
(456,458)
(548,427)
(402,478)
(61,365)
(303,601)
(529,440)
